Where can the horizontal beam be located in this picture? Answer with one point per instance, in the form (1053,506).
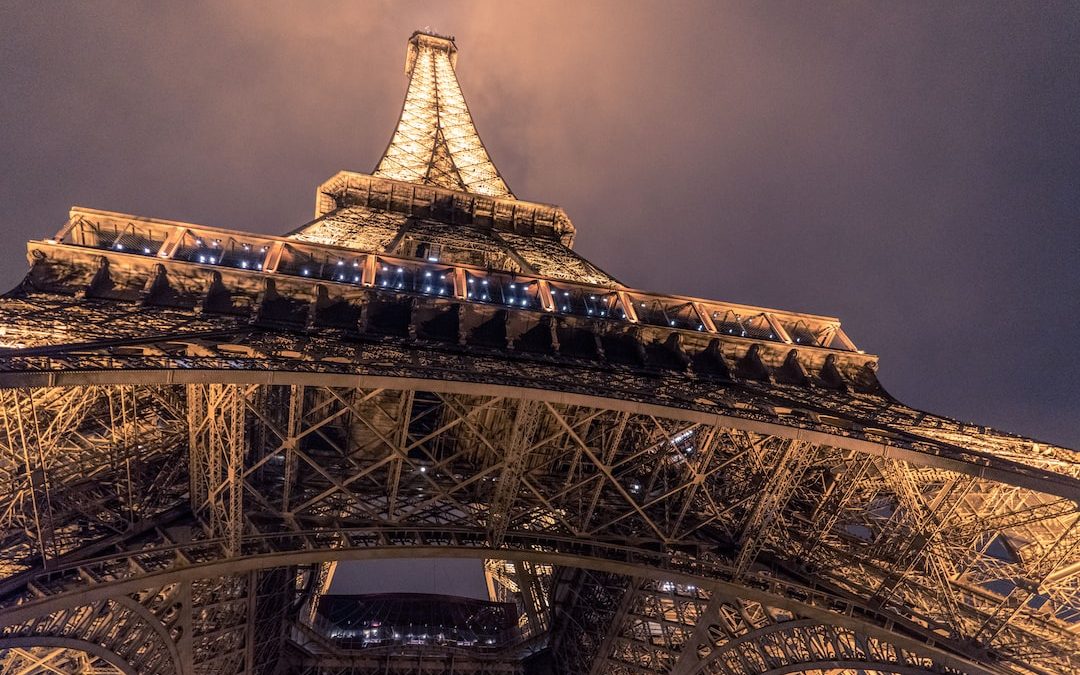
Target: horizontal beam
(1000,471)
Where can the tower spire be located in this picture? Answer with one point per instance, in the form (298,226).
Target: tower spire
(435,142)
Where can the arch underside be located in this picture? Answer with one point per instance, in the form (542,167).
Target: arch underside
(59,655)
(212,496)
(646,625)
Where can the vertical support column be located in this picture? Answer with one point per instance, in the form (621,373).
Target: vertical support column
(292,430)
(780,483)
(532,596)
(123,416)
(489,579)
(613,630)
(515,444)
(217,449)
(235,451)
(404,412)
(324,578)
(252,616)
(22,445)
(198,469)
(184,643)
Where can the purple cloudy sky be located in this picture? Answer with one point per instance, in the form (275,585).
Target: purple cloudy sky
(913,168)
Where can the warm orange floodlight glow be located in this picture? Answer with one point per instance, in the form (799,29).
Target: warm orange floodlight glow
(435,141)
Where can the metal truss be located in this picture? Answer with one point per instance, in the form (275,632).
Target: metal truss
(655,626)
(208,625)
(528,585)
(196,425)
(217,449)
(25,660)
(678,507)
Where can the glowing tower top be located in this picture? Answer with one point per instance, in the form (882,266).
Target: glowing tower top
(435,142)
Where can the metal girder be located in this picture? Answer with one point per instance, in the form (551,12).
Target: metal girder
(198,423)
(583,476)
(217,447)
(513,456)
(721,406)
(780,482)
(62,656)
(122,631)
(690,657)
(682,629)
(600,663)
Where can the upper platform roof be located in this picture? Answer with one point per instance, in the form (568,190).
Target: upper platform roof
(435,142)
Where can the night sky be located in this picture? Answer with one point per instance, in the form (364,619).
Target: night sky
(912,168)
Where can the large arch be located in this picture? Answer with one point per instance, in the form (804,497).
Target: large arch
(110,657)
(116,628)
(769,451)
(820,608)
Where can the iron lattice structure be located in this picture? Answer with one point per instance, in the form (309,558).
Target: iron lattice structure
(199,423)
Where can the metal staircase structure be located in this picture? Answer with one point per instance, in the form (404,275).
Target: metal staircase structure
(198,423)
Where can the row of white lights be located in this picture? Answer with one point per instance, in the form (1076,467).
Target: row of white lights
(244,264)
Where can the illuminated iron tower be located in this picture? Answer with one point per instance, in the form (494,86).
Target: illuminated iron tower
(198,424)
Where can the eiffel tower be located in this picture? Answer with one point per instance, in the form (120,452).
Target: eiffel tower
(200,424)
